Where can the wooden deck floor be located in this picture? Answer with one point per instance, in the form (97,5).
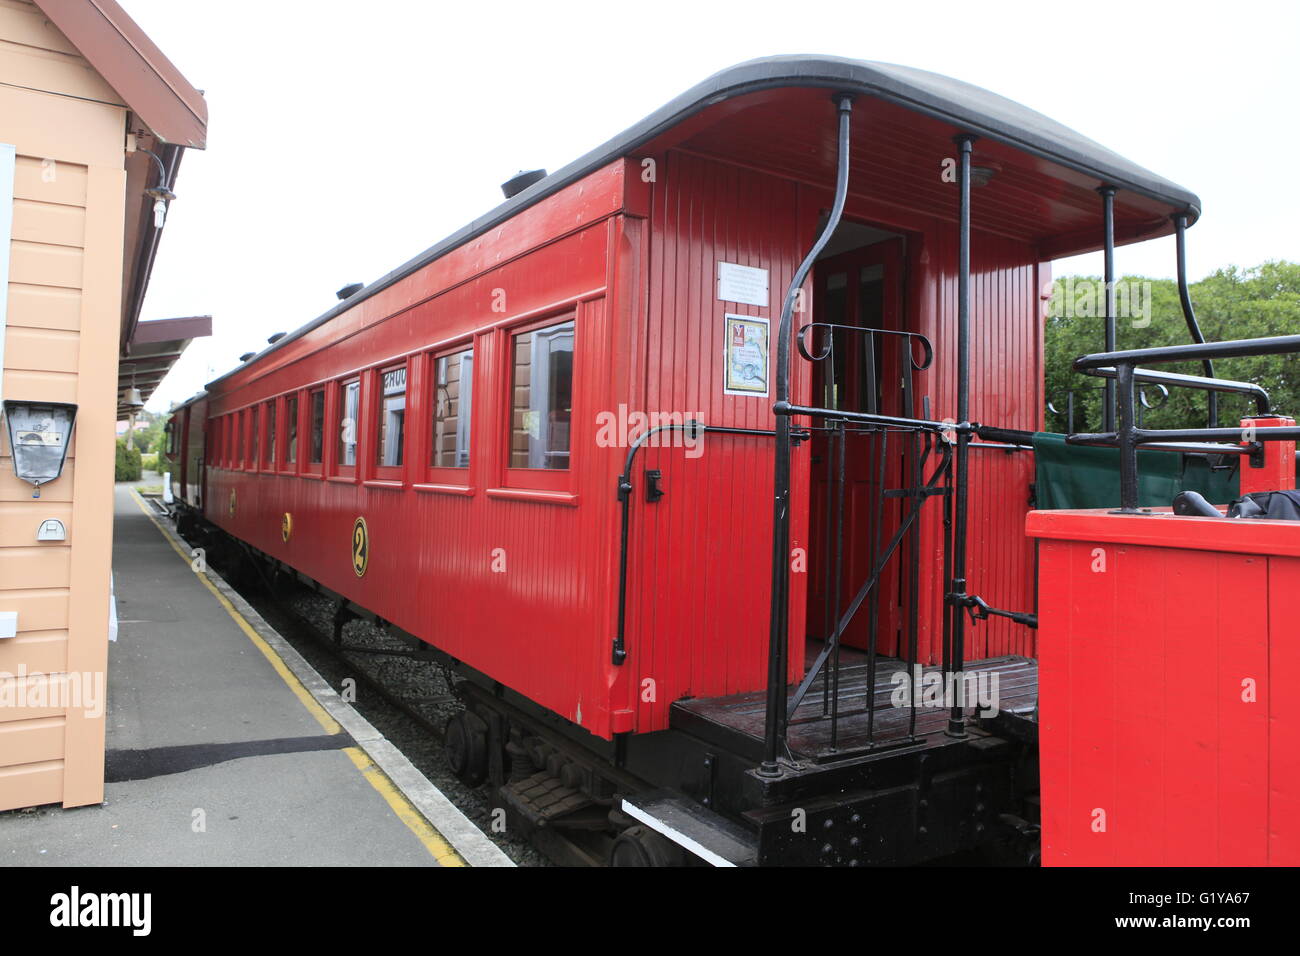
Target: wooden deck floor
(870,717)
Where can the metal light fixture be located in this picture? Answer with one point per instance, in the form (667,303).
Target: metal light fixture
(160,194)
(39,433)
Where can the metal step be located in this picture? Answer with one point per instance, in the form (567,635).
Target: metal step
(697,829)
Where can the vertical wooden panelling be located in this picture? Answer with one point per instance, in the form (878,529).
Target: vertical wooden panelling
(64,300)
(1278,699)
(1006,392)
(1165,738)
(701,556)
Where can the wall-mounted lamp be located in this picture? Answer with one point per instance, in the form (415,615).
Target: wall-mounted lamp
(160,194)
(161,197)
(39,433)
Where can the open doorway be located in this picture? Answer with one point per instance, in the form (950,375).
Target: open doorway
(857,471)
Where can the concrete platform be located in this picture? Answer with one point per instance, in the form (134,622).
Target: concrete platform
(226,748)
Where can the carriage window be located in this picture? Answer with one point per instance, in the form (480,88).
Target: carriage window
(269,451)
(392,417)
(542,397)
(452,403)
(291,429)
(348,407)
(317,426)
(253,416)
(239,433)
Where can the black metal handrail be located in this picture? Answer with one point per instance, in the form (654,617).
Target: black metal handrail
(1189,313)
(1122,367)
(693,429)
(1068,413)
(832,328)
(778,624)
(1147,376)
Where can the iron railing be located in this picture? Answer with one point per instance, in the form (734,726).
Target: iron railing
(1122,368)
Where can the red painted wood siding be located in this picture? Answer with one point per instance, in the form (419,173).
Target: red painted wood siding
(650,339)
(543,625)
(700,558)
(1151,753)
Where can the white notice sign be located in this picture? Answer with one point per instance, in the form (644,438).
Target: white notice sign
(743,284)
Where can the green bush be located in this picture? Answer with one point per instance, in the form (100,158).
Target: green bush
(127,464)
(149,461)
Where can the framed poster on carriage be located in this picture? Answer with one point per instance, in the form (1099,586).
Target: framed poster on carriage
(745,356)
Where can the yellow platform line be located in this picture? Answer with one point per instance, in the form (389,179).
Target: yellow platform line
(397,801)
(433,841)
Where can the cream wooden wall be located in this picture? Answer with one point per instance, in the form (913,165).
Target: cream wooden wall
(60,344)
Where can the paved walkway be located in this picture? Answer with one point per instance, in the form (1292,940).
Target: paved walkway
(219,755)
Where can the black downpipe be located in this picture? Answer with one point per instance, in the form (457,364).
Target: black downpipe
(957,589)
(778,629)
(1189,313)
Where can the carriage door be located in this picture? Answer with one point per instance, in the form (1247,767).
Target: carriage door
(861,288)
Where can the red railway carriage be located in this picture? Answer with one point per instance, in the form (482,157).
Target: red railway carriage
(545,445)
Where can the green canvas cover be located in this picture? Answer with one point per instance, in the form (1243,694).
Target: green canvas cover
(1079,476)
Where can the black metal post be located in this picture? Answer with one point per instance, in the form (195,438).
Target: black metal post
(1189,313)
(842,452)
(778,627)
(1128,474)
(957,588)
(1108,269)
(877,568)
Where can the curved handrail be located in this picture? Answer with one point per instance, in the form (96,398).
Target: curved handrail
(825,353)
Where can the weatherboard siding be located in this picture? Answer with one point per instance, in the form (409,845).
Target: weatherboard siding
(62,321)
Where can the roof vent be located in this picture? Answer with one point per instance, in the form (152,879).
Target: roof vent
(275,338)
(246,356)
(521,181)
(348,291)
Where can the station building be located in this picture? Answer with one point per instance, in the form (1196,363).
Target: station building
(94,121)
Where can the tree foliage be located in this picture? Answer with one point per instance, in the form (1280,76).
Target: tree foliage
(1231,303)
(127,466)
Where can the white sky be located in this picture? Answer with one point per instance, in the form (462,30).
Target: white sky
(344,138)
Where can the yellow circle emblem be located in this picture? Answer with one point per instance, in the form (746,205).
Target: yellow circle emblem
(360,547)
(286,525)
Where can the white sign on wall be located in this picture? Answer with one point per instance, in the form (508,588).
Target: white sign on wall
(743,284)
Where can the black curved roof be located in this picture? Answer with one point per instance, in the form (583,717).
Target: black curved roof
(968,107)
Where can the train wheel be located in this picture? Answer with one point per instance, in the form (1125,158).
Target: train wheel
(466,748)
(641,846)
